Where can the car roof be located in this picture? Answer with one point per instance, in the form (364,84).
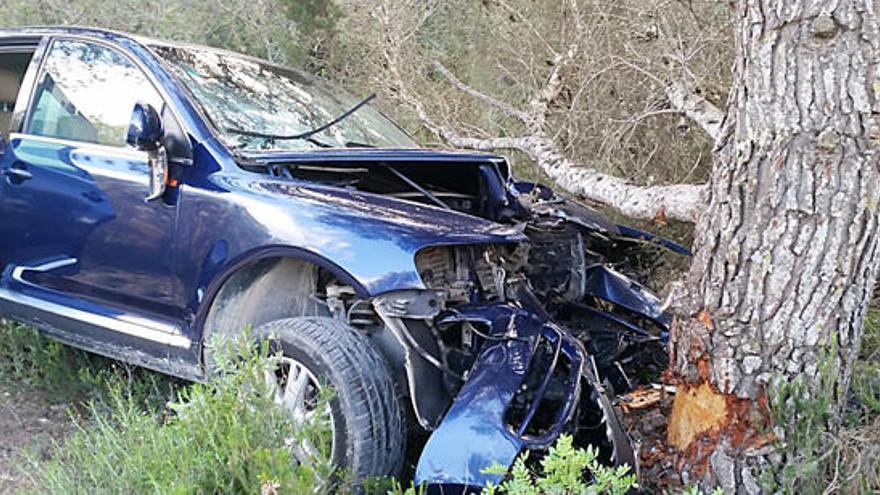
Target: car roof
(91,32)
(109,35)
(27,31)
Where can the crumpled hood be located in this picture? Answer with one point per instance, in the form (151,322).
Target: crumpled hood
(371,237)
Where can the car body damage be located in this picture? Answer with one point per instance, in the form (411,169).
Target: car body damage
(509,342)
(503,314)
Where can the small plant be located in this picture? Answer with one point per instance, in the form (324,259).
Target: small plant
(66,374)
(866,387)
(565,470)
(225,436)
(871,341)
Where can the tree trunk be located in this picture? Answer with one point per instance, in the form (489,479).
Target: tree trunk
(787,249)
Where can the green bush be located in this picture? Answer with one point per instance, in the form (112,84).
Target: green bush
(66,374)
(226,436)
(564,470)
(871,339)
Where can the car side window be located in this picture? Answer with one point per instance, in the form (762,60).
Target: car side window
(86,93)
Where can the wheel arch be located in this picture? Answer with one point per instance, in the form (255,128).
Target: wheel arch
(263,285)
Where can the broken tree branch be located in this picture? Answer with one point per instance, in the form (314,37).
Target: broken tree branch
(678,202)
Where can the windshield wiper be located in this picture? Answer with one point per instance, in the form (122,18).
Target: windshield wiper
(307,136)
(356,144)
(272,138)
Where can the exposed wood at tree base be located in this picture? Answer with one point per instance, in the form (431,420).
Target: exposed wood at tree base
(695,411)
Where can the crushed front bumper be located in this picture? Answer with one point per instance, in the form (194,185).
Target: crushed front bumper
(526,355)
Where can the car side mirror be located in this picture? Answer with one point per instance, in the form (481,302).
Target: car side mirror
(146,133)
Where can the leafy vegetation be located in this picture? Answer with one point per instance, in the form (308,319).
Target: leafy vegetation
(821,451)
(65,374)
(564,470)
(226,436)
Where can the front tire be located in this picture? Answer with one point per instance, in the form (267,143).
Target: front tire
(368,434)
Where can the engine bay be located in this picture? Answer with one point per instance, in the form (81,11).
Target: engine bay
(567,312)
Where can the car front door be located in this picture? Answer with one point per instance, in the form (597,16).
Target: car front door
(75,227)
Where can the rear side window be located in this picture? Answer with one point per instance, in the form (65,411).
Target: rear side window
(86,93)
(13,66)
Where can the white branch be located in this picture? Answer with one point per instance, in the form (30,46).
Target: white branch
(681,202)
(696,108)
(676,202)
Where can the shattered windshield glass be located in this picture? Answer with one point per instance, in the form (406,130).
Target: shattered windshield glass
(259,106)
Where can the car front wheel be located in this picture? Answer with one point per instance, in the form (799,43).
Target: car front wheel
(364,414)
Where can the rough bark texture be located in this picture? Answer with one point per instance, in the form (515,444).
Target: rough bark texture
(787,250)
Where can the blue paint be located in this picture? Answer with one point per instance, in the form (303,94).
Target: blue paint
(478,413)
(605,283)
(86,202)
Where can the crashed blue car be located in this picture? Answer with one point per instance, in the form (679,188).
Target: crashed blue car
(156,197)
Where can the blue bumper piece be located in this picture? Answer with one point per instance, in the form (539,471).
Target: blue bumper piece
(607,284)
(475,434)
(634,233)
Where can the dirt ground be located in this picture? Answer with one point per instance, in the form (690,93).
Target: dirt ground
(29,422)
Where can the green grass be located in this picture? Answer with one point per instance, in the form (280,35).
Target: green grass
(822,450)
(226,436)
(67,375)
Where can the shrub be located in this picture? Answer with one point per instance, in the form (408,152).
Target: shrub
(225,436)
(66,374)
(564,470)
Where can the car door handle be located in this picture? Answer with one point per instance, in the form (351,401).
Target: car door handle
(17,174)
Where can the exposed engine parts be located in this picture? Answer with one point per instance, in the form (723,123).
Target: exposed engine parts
(531,339)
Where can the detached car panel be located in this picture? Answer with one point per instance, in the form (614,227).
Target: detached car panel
(156,196)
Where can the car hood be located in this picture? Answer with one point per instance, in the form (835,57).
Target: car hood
(373,238)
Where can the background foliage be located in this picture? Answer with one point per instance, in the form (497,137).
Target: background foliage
(613,115)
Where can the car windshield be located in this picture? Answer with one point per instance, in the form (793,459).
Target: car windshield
(256,105)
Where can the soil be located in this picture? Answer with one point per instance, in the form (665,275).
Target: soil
(29,424)
(647,428)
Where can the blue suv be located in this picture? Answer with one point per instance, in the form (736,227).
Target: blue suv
(157,197)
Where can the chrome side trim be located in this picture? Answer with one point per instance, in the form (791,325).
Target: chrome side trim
(46,267)
(129,325)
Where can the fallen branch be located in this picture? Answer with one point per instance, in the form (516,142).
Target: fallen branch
(676,202)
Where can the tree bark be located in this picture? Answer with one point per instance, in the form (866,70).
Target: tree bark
(787,248)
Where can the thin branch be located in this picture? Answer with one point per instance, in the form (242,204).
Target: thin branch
(540,103)
(489,100)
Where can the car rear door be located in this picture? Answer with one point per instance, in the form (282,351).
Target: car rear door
(76,231)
